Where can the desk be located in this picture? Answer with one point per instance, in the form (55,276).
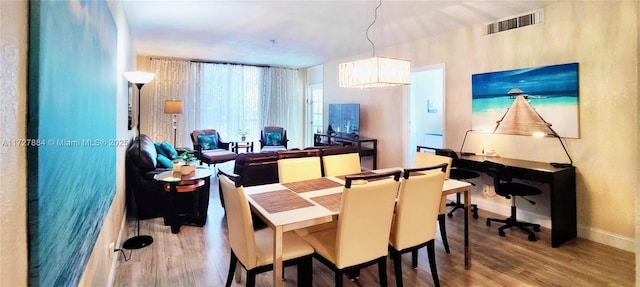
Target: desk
(201,197)
(317,205)
(562,190)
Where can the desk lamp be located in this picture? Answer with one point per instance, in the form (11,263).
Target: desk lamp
(139,79)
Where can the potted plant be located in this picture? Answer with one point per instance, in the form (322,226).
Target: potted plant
(185,163)
(243,134)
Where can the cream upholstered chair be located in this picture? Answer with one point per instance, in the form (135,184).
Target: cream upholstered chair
(299,165)
(341,164)
(361,237)
(414,223)
(254,249)
(423,159)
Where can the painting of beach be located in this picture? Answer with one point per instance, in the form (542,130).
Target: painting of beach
(552,92)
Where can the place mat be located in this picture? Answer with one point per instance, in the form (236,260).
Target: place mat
(329,201)
(280,200)
(344,177)
(311,185)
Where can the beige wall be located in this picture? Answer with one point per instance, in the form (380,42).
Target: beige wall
(601,37)
(13,191)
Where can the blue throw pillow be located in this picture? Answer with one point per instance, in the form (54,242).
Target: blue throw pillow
(159,149)
(208,142)
(168,150)
(164,161)
(273,138)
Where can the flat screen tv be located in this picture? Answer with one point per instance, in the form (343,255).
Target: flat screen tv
(345,118)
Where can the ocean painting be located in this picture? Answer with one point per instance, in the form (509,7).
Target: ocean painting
(552,92)
(72,128)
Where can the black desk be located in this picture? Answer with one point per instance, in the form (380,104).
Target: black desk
(562,190)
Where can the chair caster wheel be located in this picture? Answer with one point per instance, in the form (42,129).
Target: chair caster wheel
(536,228)
(501,233)
(475,216)
(532,237)
(488,222)
(450,215)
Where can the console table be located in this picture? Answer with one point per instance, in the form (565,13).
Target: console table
(366,146)
(562,190)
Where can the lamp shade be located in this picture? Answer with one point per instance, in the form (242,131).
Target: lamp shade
(173,107)
(139,77)
(375,72)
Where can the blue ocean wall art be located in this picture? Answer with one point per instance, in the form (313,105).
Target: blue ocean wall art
(71,129)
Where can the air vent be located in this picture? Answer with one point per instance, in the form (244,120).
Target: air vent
(515,22)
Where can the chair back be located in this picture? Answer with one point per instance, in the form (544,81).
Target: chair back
(273,133)
(299,165)
(341,164)
(365,219)
(423,159)
(239,222)
(418,206)
(499,172)
(196,133)
(450,153)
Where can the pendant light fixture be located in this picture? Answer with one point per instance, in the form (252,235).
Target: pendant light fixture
(376,71)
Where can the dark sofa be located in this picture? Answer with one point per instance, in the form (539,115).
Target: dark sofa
(146,197)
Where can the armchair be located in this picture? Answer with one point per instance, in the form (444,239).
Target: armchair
(273,139)
(210,148)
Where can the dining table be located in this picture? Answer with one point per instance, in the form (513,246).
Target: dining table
(295,205)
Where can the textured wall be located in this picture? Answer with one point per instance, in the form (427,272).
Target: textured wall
(601,37)
(13,191)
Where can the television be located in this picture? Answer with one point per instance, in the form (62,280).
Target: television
(345,118)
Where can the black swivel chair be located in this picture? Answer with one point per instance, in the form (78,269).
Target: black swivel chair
(459,174)
(504,187)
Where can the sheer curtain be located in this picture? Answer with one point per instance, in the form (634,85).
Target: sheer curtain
(225,97)
(172,82)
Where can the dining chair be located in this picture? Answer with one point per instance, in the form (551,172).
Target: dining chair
(361,236)
(422,159)
(254,249)
(299,165)
(416,213)
(344,163)
(458,173)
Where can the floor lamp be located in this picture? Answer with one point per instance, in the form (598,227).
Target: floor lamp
(173,107)
(139,79)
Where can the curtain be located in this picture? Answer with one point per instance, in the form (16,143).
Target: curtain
(225,97)
(172,82)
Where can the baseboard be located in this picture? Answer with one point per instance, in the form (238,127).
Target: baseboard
(585,232)
(116,255)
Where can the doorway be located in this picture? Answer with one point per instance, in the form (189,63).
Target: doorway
(425,109)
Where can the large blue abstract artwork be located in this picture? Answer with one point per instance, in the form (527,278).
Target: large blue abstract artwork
(552,91)
(72,130)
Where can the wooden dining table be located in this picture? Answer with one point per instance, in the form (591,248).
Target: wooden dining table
(290,206)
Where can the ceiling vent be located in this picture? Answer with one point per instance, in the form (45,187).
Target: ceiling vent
(514,22)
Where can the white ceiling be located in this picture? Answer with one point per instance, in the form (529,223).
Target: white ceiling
(297,33)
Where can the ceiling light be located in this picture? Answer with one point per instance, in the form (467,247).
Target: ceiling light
(374,72)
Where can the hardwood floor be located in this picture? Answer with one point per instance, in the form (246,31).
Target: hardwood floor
(199,256)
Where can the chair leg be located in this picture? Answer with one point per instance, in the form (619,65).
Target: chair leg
(232,268)
(414,258)
(305,270)
(443,232)
(251,278)
(432,262)
(338,277)
(397,267)
(382,271)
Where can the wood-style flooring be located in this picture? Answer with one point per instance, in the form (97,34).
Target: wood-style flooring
(199,256)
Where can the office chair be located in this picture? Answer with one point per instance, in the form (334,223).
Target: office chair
(504,187)
(457,174)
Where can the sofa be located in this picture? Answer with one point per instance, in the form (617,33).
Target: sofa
(146,197)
